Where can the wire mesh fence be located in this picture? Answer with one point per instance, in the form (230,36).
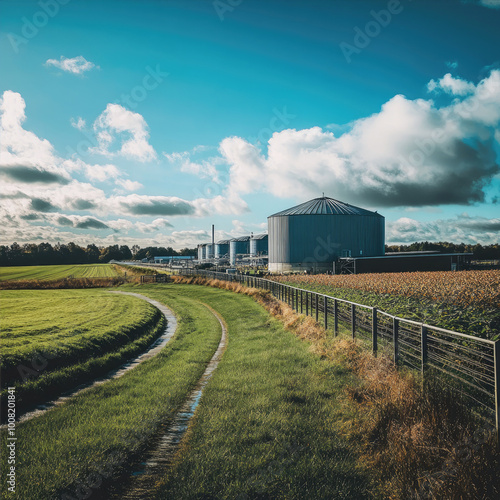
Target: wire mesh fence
(470,365)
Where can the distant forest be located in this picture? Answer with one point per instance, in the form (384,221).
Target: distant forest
(489,252)
(31,254)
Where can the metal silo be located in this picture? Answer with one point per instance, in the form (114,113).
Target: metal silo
(210,251)
(259,244)
(311,236)
(200,252)
(221,249)
(238,246)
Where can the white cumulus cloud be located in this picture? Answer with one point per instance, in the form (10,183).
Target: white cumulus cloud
(76,65)
(133,132)
(410,153)
(452,85)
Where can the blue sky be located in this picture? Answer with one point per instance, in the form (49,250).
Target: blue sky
(146,122)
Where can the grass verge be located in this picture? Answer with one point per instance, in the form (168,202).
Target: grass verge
(71,448)
(268,425)
(417,438)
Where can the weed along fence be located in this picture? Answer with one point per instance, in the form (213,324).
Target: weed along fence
(470,365)
(155,278)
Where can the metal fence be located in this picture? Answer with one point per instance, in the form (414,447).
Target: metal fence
(470,365)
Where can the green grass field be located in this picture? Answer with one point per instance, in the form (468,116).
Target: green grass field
(54,339)
(268,424)
(21,273)
(100,428)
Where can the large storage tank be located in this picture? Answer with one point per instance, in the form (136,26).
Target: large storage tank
(200,252)
(238,246)
(210,251)
(221,249)
(259,244)
(311,236)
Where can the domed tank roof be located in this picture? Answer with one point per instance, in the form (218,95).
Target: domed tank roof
(325,206)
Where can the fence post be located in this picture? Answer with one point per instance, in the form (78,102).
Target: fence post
(395,339)
(374,331)
(335,317)
(424,348)
(292,297)
(496,358)
(325,307)
(301,303)
(307,303)
(316,306)
(353,320)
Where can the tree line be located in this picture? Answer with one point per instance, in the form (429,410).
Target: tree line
(31,254)
(480,252)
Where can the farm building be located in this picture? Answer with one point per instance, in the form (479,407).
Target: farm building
(404,262)
(259,245)
(311,236)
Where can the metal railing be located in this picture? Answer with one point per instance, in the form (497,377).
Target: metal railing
(470,365)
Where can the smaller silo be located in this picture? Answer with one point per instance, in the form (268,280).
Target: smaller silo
(210,251)
(259,245)
(221,249)
(200,252)
(238,246)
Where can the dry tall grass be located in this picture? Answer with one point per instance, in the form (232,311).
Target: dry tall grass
(66,283)
(417,436)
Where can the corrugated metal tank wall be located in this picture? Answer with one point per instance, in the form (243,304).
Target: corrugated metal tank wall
(200,252)
(303,242)
(259,245)
(238,246)
(210,251)
(221,249)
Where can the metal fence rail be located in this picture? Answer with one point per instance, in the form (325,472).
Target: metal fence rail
(470,365)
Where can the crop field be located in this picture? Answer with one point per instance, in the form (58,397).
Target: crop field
(22,273)
(466,301)
(52,339)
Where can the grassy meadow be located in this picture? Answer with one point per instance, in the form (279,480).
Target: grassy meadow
(53,340)
(101,428)
(22,273)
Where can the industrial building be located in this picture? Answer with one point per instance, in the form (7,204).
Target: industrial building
(323,235)
(404,262)
(313,235)
(174,260)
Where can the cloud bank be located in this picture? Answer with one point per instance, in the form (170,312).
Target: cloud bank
(411,153)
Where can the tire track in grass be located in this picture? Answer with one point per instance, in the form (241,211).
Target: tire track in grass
(141,480)
(151,351)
